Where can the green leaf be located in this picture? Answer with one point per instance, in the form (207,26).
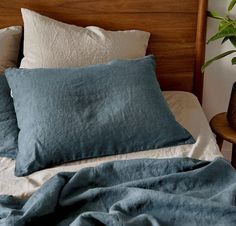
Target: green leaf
(231,5)
(233,60)
(214,15)
(217,58)
(226,30)
(222,25)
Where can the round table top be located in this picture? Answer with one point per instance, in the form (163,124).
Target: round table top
(221,128)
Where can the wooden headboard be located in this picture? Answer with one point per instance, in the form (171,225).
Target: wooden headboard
(177,30)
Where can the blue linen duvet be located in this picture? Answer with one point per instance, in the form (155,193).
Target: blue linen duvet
(145,192)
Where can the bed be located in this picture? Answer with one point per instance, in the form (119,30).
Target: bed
(182,104)
(182,189)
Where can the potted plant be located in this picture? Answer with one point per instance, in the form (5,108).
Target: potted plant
(226,32)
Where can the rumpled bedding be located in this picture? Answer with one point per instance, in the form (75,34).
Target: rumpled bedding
(144,192)
(188,113)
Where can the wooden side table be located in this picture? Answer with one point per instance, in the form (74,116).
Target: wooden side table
(223,131)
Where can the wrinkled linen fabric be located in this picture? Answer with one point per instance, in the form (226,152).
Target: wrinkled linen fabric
(68,114)
(9,46)
(188,113)
(150,192)
(49,43)
(8,123)
(9,50)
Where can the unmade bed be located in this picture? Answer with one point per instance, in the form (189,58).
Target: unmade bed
(100,116)
(187,111)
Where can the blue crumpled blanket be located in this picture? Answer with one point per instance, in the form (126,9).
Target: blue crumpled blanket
(144,192)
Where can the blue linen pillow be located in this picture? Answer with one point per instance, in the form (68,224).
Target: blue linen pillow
(8,124)
(77,113)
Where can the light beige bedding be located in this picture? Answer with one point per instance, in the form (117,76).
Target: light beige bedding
(9,46)
(188,113)
(49,43)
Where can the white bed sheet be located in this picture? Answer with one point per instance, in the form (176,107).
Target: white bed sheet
(188,113)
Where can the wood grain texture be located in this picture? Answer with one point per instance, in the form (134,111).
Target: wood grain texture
(222,129)
(177,30)
(104,6)
(200,48)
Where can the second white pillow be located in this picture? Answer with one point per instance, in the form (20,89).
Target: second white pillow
(9,46)
(50,43)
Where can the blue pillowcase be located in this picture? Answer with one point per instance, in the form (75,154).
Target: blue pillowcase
(77,113)
(8,124)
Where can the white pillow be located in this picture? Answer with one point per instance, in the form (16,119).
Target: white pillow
(50,43)
(9,46)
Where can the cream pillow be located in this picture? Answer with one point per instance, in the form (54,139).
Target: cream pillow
(9,46)
(50,43)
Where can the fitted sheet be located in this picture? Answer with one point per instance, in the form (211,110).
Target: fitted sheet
(188,113)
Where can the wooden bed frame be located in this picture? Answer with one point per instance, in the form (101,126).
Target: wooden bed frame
(177,30)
